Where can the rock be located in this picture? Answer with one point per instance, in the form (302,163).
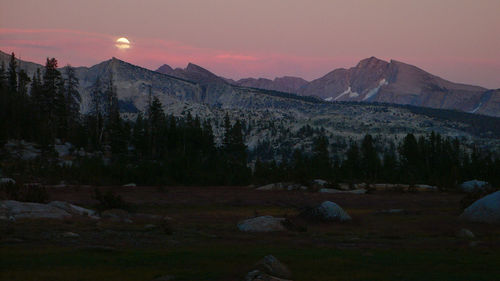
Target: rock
(320,182)
(63,150)
(116,215)
(273,267)
(70,235)
(474,185)
(486,209)
(331,190)
(7,181)
(150,226)
(262,224)
(27,210)
(22,150)
(257,275)
(272,186)
(465,233)
(425,187)
(129,185)
(327,211)
(393,211)
(74,209)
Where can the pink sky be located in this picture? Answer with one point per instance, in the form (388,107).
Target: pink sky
(458,40)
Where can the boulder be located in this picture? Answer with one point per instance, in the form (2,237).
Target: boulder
(272,186)
(7,181)
(262,224)
(63,150)
(129,185)
(28,210)
(22,150)
(425,187)
(474,185)
(465,233)
(269,269)
(74,209)
(327,211)
(70,235)
(486,209)
(392,211)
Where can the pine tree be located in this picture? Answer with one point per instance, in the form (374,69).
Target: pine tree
(12,74)
(72,96)
(370,161)
(3,77)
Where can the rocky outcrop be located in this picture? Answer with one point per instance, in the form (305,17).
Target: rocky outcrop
(27,210)
(14,210)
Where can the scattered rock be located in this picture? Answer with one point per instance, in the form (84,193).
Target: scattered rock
(129,185)
(486,209)
(327,211)
(465,233)
(331,190)
(474,185)
(27,210)
(70,235)
(262,224)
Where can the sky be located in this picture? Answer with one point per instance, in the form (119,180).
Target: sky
(458,40)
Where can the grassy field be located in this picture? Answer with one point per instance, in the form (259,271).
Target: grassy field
(203,242)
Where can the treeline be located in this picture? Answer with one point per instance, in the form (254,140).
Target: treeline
(432,159)
(158,148)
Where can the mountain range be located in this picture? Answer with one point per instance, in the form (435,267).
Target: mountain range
(371,80)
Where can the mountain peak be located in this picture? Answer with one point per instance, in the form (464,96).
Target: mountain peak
(165,69)
(191,67)
(371,62)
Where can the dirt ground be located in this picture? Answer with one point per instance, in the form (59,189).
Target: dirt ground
(196,238)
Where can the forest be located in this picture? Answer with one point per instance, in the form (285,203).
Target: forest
(158,148)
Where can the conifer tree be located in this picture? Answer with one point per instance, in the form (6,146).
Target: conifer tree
(12,74)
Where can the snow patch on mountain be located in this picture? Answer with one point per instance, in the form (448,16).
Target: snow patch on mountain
(375,90)
(477,108)
(347,92)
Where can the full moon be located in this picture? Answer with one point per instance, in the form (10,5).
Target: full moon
(122,43)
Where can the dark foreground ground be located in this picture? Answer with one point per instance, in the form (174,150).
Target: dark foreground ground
(200,240)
